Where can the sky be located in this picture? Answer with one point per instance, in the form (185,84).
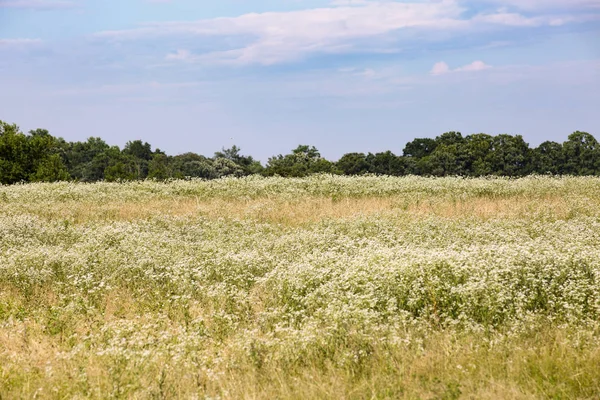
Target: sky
(268,75)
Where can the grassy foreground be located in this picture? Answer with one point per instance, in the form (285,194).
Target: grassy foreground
(325,287)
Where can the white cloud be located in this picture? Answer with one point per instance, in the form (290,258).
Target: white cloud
(474,66)
(341,22)
(180,55)
(345,27)
(442,68)
(286,36)
(19,42)
(37,4)
(511,19)
(531,5)
(349,2)
(514,19)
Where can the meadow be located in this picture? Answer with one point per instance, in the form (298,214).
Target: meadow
(323,287)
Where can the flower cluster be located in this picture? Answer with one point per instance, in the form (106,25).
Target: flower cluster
(210,292)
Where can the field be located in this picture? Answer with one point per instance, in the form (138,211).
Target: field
(324,287)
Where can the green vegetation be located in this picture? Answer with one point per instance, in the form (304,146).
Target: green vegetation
(320,287)
(40,157)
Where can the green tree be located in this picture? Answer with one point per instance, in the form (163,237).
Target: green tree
(248,165)
(448,157)
(582,154)
(119,171)
(138,149)
(14,154)
(138,154)
(474,155)
(353,164)
(449,139)
(33,157)
(304,160)
(511,156)
(119,166)
(420,148)
(51,169)
(226,167)
(160,167)
(386,163)
(548,158)
(86,161)
(444,161)
(192,165)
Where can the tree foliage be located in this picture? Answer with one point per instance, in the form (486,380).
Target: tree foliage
(302,161)
(32,157)
(40,157)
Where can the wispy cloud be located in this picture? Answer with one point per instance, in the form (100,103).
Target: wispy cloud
(38,4)
(531,5)
(19,42)
(441,68)
(474,66)
(287,36)
(344,27)
(180,55)
(120,89)
(515,19)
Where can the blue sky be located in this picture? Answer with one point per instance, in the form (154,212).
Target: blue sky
(343,75)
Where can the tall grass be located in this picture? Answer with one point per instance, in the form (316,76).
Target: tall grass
(324,287)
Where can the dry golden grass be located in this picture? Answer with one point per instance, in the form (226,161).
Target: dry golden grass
(284,305)
(307,210)
(537,365)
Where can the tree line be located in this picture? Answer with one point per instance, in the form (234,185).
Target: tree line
(40,157)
